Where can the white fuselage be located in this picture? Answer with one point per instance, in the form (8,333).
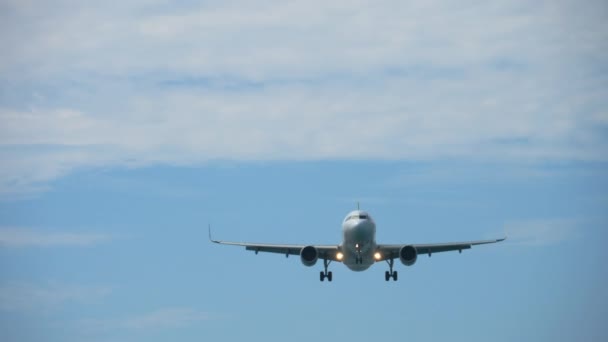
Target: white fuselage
(359,240)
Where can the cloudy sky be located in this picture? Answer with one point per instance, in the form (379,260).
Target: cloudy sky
(126,128)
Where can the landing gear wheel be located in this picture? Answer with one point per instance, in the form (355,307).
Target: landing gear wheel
(325,274)
(390,273)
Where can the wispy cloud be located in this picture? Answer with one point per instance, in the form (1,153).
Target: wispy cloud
(166,319)
(43,297)
(23,237)
(541,232)
(307,80)
(160,319)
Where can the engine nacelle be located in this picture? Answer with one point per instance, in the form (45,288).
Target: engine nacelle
(309,255)
(408,255)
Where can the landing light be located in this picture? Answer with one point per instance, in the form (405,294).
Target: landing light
(339,256)
(377,256)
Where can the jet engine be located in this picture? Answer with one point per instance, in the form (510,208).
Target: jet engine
(309,255)
(408,255)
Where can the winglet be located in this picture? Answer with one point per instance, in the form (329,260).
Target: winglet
(210,238)
(503,238)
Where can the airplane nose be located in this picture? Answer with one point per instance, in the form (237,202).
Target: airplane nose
(362,229)
(364,223)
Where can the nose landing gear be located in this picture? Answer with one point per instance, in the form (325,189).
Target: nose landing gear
(359,258)
(390,274)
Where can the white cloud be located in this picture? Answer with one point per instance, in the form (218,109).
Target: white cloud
(150,83)
(36,297)
(21,237)
(541,232)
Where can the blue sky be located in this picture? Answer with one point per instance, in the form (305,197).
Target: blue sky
(126,129)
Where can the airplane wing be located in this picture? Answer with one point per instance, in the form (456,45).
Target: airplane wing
(328,252)
(392,251)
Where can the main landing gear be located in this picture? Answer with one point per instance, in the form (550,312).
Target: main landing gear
(325,274)
(390,274)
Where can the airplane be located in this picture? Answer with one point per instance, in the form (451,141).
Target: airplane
(358,250)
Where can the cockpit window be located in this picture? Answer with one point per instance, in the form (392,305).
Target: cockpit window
(360,217)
